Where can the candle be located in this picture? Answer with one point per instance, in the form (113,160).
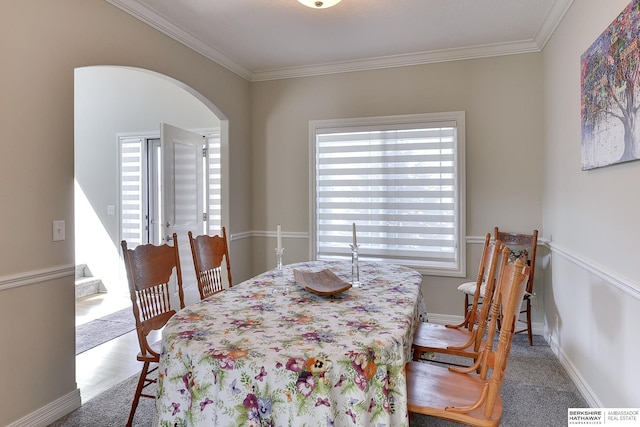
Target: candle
(355,241)
(279,238)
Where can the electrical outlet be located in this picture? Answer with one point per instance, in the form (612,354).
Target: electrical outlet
(111,210)
(58,230)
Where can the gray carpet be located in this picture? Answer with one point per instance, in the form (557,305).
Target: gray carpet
(536,393)
(99,331)
(111,408)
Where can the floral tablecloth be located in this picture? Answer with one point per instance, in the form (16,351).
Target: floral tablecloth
(269,353)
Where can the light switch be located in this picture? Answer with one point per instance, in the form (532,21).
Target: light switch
(58,230)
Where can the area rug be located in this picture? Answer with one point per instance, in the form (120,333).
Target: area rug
(536,393)
(99,331)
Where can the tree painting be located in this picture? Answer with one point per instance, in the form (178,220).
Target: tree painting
(611,93)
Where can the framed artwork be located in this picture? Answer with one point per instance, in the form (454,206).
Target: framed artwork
(610,88)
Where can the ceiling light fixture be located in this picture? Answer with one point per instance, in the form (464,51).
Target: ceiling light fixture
(318,4)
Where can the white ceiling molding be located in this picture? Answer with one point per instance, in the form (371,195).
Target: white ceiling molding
(553,17)
(422,58)
(161,24)
(558,9)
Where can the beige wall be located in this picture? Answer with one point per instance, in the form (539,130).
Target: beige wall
(592,300)
(502,98)
(41,42)
(523,171)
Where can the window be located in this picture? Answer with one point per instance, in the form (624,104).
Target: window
(140,190)
(400,179)
(213,195)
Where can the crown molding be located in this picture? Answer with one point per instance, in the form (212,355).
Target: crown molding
(555,14)
(158,22)
(394,61)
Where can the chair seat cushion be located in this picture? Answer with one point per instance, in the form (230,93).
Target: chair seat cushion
(468,288)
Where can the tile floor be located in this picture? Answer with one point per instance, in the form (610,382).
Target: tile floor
(106,365)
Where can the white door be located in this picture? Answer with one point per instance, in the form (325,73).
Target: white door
(182,193)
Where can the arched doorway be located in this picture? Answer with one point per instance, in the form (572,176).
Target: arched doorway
(113,102)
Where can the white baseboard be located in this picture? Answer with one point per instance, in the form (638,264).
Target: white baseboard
(51,412)
(577,379)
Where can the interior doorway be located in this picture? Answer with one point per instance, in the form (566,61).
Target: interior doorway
(170,183)
(112,101)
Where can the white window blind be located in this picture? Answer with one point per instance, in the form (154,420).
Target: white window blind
(132,194)
(214,191)
(399,180)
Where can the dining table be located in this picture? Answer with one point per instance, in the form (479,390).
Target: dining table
(270,352)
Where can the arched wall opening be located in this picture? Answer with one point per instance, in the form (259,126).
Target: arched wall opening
(111,101)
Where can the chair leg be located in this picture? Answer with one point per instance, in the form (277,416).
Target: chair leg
(136,397)
(466,306)
(529,331)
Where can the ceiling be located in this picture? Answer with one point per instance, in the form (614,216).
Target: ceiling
(275,39)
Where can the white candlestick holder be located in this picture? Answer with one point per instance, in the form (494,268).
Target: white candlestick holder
(355,268)
(280,271)
(279,254)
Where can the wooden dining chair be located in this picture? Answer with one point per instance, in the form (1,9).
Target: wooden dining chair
(472,396)
(522,246)
(208,253)
(149,272)
(472,290)
(466,338)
